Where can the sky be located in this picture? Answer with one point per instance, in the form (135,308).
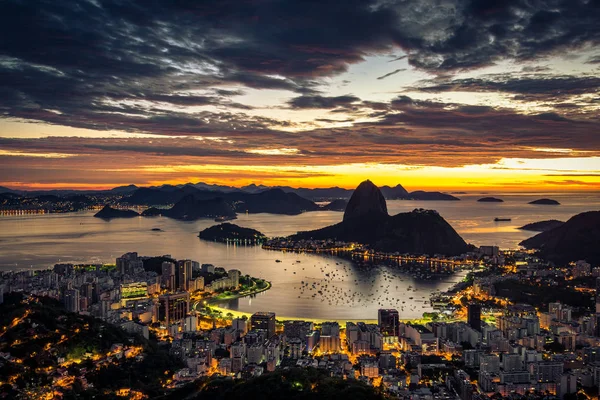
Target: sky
(431,94)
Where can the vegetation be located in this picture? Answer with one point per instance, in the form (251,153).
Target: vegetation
(293,383)
(541,295)
(42,338)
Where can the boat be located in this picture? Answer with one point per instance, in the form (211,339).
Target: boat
(277,260)
(225,218)
(501,219)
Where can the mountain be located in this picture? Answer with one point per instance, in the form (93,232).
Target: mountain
(123,189)
(366,221)
(336,205)
(227,231)
(490,200)
(367,201)
(109,213)
(576,239)
(393,193)
(542,226)
(215,188)
(191,208)
(274,201)
(422,195)
(7,190)
(252,188)
(547,202)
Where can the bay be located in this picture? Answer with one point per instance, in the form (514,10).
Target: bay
(39,241)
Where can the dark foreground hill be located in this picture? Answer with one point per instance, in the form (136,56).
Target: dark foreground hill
(366,221)
(576,239)
(292,384)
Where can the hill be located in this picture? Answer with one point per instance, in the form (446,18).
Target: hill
(190,208)
(542,226)
(53,351)
(547,202)
(490,200)
(231,232)
(109,213)
(393,193)
(576,239)
(336,205)
(422,195)
(292,384)
(366,221)
(274,201)
(367,201)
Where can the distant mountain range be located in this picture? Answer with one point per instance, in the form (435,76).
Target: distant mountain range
(170,194)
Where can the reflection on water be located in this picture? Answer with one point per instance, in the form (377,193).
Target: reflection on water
(39,241)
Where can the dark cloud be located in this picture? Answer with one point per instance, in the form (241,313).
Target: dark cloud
(318,101)
(139,66)
(98,57)
(526,88)
(391,73)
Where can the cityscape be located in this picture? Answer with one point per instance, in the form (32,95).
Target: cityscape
(299,199)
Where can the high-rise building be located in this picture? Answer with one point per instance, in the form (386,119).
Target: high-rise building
(388,321)
(71,300)
(474,316)
(168,275)
(184,274)
(234,275)
(173,307)
(128,263)
(598,294)
(263,321)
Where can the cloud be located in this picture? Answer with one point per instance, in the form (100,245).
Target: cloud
(318,101)
(391,73)
(175,68)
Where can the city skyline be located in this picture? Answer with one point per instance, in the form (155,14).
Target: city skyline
(453,95)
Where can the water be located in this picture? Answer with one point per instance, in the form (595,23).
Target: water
(39,241)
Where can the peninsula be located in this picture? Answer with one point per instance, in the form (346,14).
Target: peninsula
(366,221)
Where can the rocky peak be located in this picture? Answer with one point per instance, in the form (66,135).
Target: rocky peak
(366,201)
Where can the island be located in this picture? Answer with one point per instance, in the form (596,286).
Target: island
(546,202)
(433,196)
(231,233)
(542,226)
(109,213)
(490,200)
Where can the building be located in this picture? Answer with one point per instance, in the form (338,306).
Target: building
(234,275)
(474,316)
(133,291)
(168,275)
(598,294)
(263,321)
(173,307)
(388,321)
(71,300)
(184,275)
(128,263)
